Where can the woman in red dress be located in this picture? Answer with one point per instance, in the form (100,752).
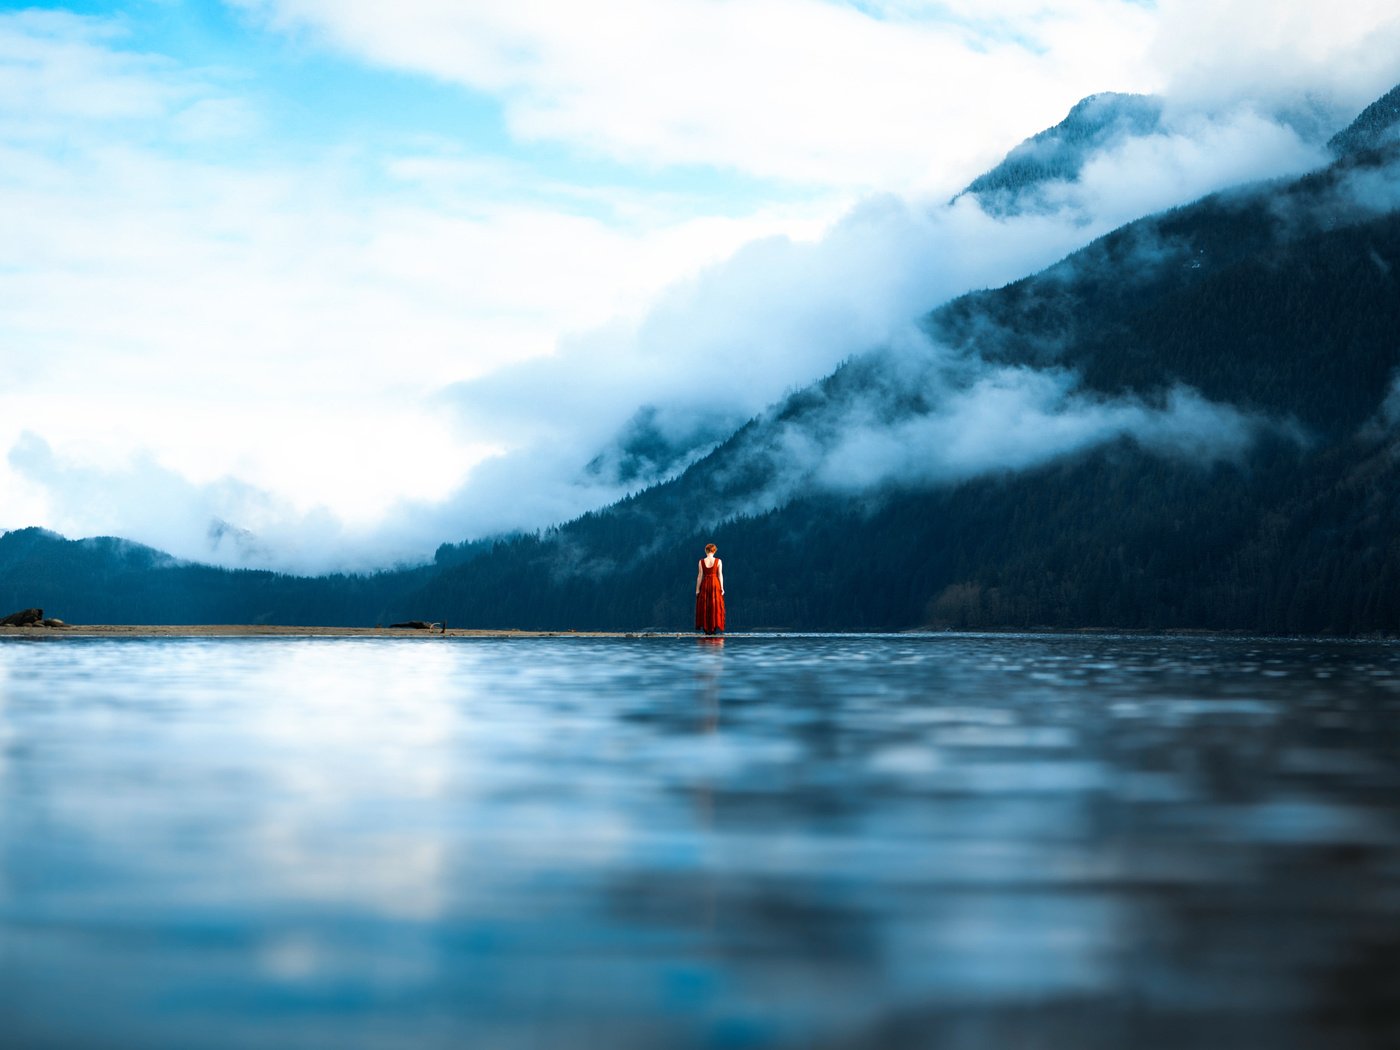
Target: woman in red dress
(709,593)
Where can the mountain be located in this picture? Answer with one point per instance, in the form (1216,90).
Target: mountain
(1377,127)
(1036,180)
(658,440)
(1058,154)
(1193,422)
(1265,318)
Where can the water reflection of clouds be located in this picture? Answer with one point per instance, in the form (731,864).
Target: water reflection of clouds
(387,721)
(362,752)
(7,731)
(7,738)
(316,771)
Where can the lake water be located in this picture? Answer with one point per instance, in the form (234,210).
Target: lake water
(840,842)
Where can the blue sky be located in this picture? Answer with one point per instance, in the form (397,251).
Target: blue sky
(308,98)
(257,250)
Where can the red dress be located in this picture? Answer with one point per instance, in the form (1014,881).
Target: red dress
(709,603)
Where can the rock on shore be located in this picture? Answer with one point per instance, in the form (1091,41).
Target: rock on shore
(30,618)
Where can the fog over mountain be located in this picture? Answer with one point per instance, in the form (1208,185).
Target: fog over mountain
(617,410)
(1035,175)
(973,393)
(1189,422)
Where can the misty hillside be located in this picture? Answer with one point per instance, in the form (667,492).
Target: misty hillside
(1216,447)
(1060,153)
(659,439)
(1044,180)
(1377,127)
(1192,422)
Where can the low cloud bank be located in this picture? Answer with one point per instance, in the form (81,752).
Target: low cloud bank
(226,522)
(933,417)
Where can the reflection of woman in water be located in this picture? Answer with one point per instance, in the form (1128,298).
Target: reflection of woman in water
(709,593)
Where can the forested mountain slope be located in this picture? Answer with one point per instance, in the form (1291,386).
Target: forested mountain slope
(1248,343)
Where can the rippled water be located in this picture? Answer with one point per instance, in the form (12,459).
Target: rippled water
(951,841)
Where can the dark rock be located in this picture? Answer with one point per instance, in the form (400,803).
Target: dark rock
(23,618)
(53,622)
(417,625)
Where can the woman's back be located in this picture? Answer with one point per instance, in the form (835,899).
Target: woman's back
(709,594)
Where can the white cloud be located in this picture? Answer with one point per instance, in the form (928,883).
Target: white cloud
(802,90)
(1276,52)
(974,418)
(284,323)
(224,520)
(55,66)
(877,95)
(1011,419)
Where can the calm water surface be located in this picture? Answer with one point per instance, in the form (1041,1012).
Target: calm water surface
(944,841)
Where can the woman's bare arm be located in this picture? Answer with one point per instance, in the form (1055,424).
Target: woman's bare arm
(699,574)
(720,566)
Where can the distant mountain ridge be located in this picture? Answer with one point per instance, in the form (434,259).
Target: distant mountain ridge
(110,580)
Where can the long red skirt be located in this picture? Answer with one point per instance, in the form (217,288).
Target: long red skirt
(709,605)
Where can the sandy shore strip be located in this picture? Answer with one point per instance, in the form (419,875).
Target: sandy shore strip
(240,630)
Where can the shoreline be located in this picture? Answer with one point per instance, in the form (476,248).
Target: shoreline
(39,632)
(234,630)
